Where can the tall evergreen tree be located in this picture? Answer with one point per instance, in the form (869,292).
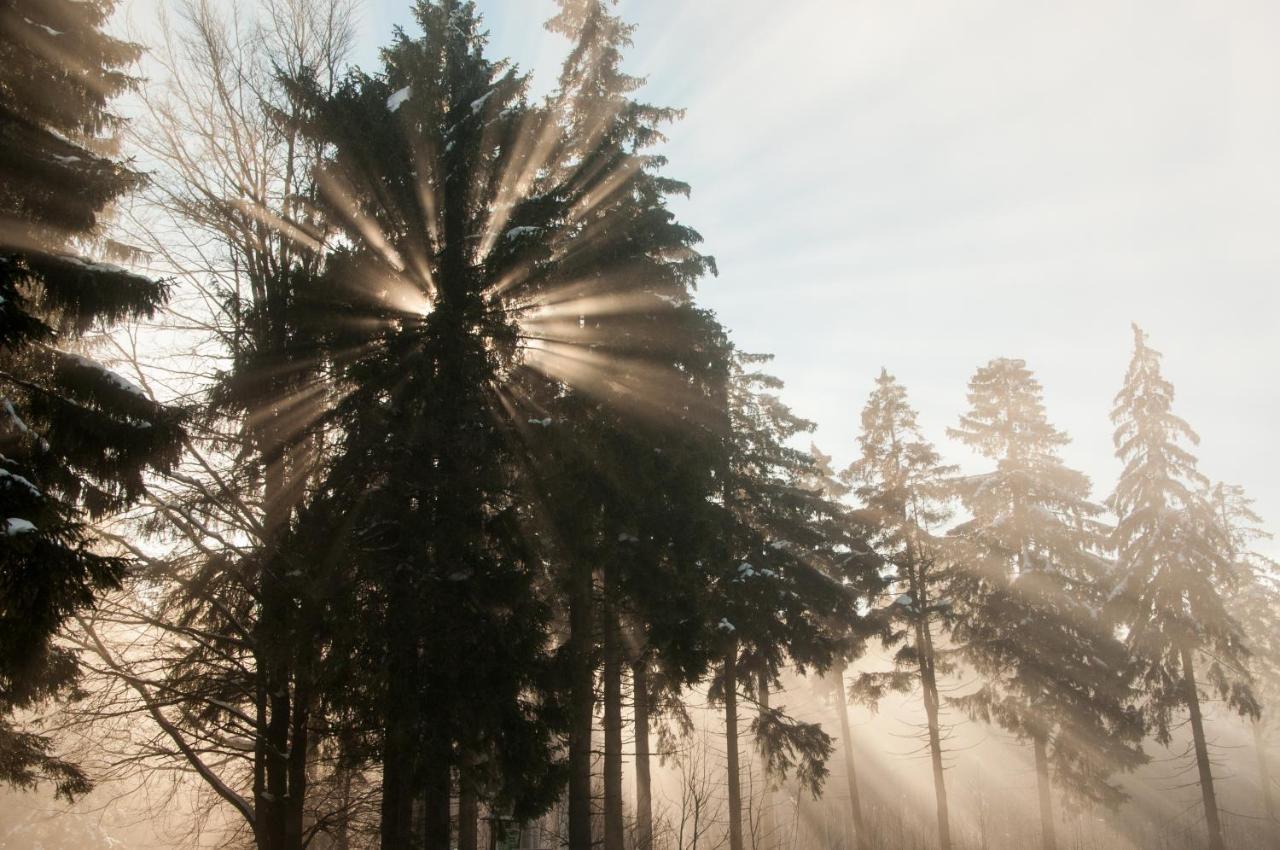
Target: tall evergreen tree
(824,479)
(1053,673)
(421,482)
(1256,604)
(1175,569)
(634,424)
(76,437)
(783,584)
(515,282)
(903,485)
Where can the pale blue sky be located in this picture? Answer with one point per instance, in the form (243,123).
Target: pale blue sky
(927,185)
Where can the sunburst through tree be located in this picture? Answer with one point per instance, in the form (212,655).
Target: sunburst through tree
(492,260)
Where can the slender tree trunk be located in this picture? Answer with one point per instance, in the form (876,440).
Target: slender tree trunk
(644,784)
(612,675)
(273,657)
(929,687)
(299,752)
(397,799)
(437,803)
(846,740)
(1264,775)
(468,815)
(1048,836)
(731,748)
(277,796)
(342,832)
(399,736)
(1210,797)
(261,797)
(770,822)
(917,580)
(935,757)
(582,703)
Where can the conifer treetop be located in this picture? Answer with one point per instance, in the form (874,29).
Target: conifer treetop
(1158,472)
(1176,569)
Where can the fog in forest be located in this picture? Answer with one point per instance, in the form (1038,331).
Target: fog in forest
(644,425)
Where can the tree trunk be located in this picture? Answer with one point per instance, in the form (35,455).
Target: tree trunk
(437,809)
(846,740)
(769,821)
(612,676)
(1264,775)
(929,687)
(644,784)
(272,655)
(1048,836)
(299,752)
(582,703)
(277,796)
(399,735)
(397,800)
(468,815)
(261,797)
(1210,798)
(342,832)
(731,747)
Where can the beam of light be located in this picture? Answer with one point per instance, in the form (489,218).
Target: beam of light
(511,280)
(534,144)
(291,414)
(522,418)
(568,302)
(379,289)
(339,192)
(21,235)
(287,229)
(404,296)
(303,365)
(425,160)
(618,176)
(631,383)
(46,44)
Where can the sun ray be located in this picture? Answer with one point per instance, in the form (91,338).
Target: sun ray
(535,142)
(340,193)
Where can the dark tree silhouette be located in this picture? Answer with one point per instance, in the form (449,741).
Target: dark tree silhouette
(76,437)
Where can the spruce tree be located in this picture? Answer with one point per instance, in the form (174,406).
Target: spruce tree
(783,586)
(1175,569)
(1053,673)
(790,576)
(431,556)
(824,479)
(627,413)
(493,451)
(76,438)
(1256,604)
(903,485)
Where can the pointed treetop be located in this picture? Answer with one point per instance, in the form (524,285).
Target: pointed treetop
(1007,418)
(1159,472)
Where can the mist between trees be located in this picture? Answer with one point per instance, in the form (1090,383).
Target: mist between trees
(400,494)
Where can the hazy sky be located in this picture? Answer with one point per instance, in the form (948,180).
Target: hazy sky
(928,185)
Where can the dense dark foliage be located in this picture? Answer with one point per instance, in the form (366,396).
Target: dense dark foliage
(76,437)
